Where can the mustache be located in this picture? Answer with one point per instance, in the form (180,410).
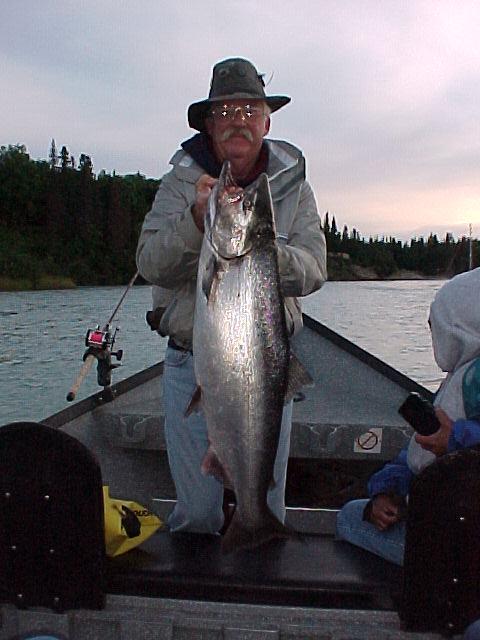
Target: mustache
(228,133)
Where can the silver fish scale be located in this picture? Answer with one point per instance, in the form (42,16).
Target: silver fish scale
(242,354)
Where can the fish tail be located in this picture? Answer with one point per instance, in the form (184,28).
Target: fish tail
(240,537)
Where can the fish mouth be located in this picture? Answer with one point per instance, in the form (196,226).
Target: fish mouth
(230,214)
(233,198)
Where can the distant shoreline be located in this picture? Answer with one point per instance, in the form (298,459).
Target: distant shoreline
(43,283)
(347,272)
(48,283)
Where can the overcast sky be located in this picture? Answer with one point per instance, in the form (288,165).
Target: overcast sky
(385,93)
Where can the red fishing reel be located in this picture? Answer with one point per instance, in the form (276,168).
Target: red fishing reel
(99,343)
(98,339)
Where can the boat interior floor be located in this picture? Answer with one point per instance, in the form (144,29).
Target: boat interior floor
(314,570)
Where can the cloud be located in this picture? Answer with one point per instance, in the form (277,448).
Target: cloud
(384,94)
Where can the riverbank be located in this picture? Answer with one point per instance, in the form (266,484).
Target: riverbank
(340,269)
(42,283)
(348,272)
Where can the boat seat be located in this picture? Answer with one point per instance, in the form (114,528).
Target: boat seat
(442,552)
(316,570)
(52,546)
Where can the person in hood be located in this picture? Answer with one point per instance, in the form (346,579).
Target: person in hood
(231,124)
(378,524)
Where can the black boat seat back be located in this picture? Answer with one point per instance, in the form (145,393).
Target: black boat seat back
(441,589)
(52,549)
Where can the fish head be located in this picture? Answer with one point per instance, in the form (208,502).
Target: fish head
(238,217)
(229,216)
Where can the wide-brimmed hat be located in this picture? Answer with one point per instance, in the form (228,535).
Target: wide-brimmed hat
(233,79)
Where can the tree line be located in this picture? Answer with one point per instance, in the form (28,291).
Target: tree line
(429,257)
(59,218)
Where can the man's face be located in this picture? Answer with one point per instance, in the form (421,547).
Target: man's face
(236,130)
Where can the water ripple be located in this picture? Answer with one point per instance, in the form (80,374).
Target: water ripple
(41,349)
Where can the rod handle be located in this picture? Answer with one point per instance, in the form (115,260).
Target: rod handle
(87,365)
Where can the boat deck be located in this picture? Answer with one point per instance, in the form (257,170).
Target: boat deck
(313,571)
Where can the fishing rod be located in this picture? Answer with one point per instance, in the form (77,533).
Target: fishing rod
(99,343)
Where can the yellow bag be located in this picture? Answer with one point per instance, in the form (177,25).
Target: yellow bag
(127,524)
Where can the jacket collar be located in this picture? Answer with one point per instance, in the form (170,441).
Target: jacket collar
(285,167)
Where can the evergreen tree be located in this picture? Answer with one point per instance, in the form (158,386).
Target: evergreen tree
(53,154)
(326,225)
(85,164)
(90,226)
(334,227)
(64,158)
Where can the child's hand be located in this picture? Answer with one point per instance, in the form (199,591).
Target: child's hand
(385,512)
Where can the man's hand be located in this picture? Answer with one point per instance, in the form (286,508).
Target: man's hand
(437,443)
(203,189)
(385,511)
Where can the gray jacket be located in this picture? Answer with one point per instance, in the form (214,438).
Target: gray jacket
(170,242)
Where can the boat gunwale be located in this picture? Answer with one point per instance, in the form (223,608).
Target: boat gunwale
(102,398)
(367,358)
(107,395)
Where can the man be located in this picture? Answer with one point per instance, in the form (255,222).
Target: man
(232,124)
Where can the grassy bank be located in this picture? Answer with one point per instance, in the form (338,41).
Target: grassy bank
(42,283)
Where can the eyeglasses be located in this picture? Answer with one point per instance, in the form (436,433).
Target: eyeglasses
(229,112)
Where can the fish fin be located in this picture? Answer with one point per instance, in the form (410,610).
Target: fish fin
(195,404)
(240,537)
(298,377)
(211,465)
(209,276)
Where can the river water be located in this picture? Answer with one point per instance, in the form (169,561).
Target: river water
(42,336)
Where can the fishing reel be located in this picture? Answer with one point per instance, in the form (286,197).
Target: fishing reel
(99,343)
(102,339)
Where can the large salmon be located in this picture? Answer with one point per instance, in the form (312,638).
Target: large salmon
(241,351)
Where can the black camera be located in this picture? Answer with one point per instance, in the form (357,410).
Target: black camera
(420,414)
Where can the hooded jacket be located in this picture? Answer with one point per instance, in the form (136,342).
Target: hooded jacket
(170,242)
(455,325)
